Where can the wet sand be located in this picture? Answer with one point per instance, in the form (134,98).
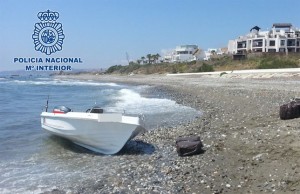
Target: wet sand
(248,149)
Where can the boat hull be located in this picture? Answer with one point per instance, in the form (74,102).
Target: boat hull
(103,133)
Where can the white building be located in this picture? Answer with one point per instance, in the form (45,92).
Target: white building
(212,51)
(183,53)
(283,37)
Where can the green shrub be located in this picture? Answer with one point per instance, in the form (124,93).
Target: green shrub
(206,68)
(275,63)
(113,68)
(179,68)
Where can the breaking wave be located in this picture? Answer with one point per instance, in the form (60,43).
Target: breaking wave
(45,81)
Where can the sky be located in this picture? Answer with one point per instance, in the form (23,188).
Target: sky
(101,32)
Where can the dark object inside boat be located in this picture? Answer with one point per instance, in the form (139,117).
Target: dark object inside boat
(61,109)
(95,109)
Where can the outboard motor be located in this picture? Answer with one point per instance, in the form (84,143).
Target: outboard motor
(61,109)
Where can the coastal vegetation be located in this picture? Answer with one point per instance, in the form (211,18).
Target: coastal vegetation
(270,63)
(152,65)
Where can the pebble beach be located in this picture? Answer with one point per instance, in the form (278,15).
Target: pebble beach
(247,148)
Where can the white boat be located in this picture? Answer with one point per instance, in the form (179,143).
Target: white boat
(105,133)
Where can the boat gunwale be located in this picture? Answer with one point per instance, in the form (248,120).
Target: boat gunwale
(92,117)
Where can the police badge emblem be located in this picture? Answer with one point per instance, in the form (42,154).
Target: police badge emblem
(48,34)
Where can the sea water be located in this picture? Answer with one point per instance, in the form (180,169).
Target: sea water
(32,161)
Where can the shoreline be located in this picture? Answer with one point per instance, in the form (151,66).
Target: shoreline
(247,147)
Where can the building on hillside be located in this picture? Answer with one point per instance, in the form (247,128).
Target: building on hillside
(187,53)
(213,52)
(183,53)
(283,37)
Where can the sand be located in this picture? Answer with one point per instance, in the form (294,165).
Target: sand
(248,149)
